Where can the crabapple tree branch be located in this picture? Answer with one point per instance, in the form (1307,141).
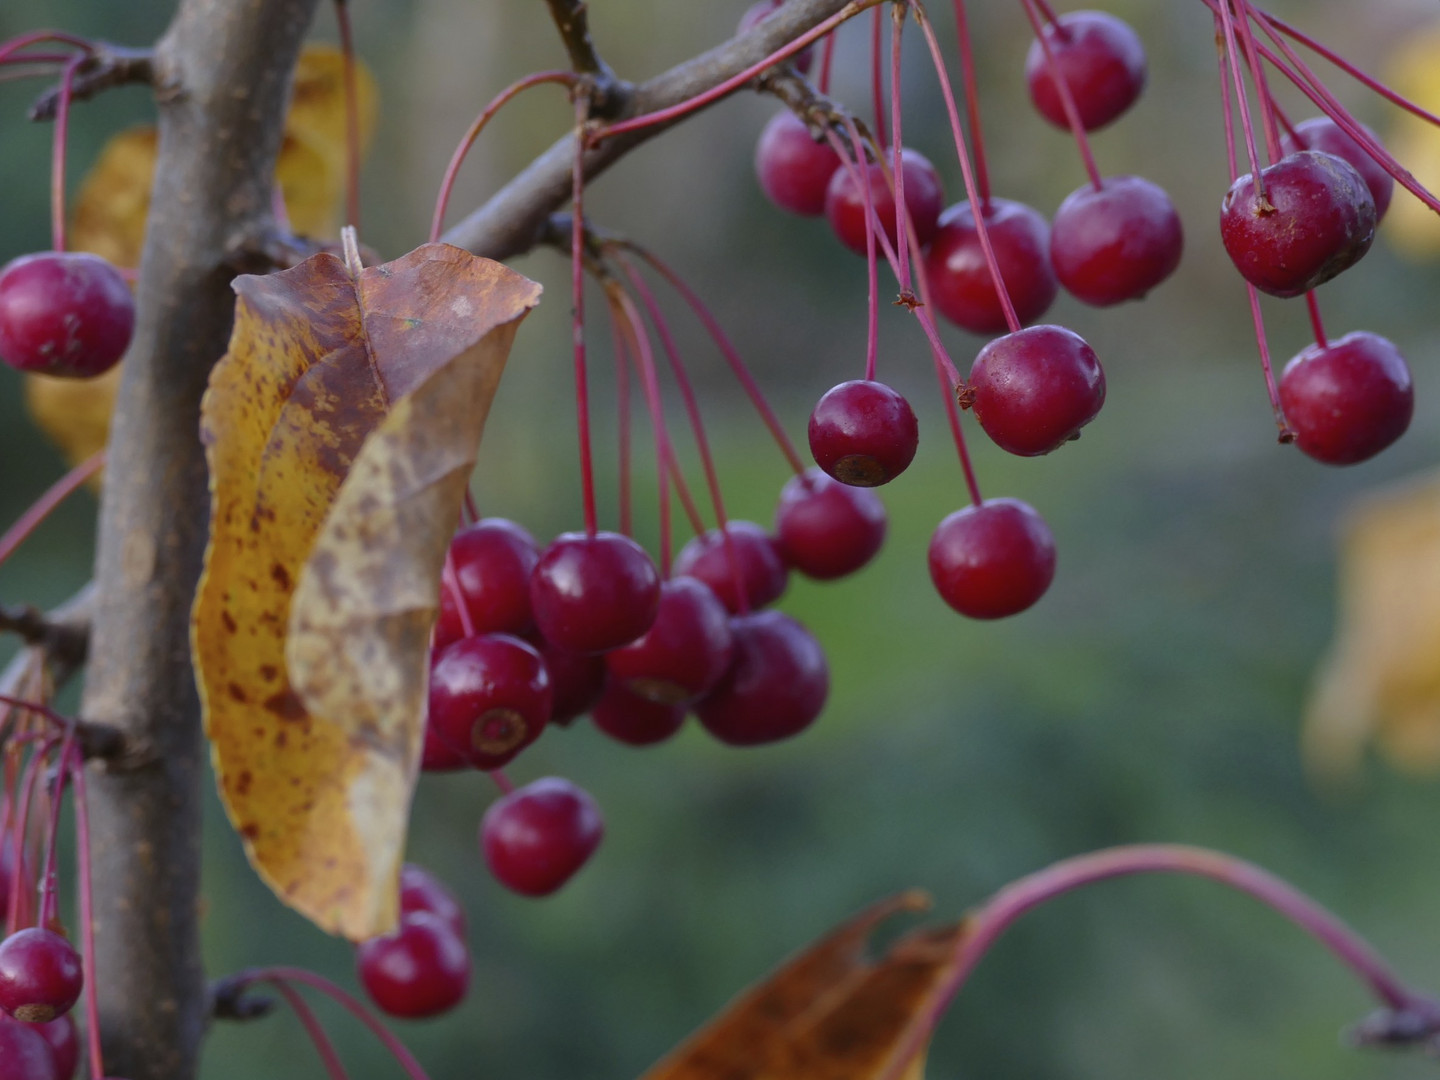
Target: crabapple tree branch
(226,69)
(513,220)
(572,20)
(108,65)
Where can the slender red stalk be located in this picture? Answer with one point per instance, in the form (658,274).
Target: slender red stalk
(1313,304)
(949,381)
(877,76)
(49,898)
(1227,26)
(19,902)
(313,1028)
(472,512)
(57,154)
(827,62)
(1257,77)
(37,37)
(502,781)
(902,208)
(1067,98)
(44,506)
(1054,20)
(996,915)
(577,313)
(972,104)
(622,398)
(674,112)
(352,115)
(1265,364)
(347,1001)
(447,184)
(872,271)
(452,584)
(1227,112)
(87,917)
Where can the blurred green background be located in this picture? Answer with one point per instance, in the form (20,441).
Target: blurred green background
(1154,694)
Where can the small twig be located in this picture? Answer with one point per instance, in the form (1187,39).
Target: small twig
(810,104)
(107,66)
(61,636)
(609,94)
(38,631)
(231,999)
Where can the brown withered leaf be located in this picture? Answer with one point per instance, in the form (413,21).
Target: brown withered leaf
(832,1012)
(1381,680)
(338,450)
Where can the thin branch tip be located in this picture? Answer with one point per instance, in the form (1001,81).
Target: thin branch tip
(107,66)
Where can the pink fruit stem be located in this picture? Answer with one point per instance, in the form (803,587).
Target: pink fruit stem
(1315,322)
(903,229)
(57,154)
(1227,112)
(1232,59)
(36,37)
(1067,98)
(948,385)
(472,512)
(1061,30)
(697,426)
(452,583)
(44,506)
(1285,123)
(730,353)
(313,1028)
(1257,77)
(87,916)
(877,77)
(972,104)
(347,1001)
(352,114)
(827,62)
(1344,65)
(501,780)
(49,896)
(1265,364)
(19,901)
(982,231)
(730,85)
(872,273)
(622,401)
(577,313)
(442,200)
(997,914)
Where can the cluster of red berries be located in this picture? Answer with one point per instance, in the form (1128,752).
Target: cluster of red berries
(64,313)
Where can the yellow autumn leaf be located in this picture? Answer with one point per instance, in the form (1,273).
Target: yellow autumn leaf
(1381,679)
(832,1012)
(340,429)
(1410,226)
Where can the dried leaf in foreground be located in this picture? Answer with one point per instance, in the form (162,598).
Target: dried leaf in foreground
(340,428)
(832,1012)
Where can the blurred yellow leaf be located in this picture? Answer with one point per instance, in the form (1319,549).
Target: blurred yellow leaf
(341,428)
(832,1012)
(74,413)
(1411,227)
(1381,680)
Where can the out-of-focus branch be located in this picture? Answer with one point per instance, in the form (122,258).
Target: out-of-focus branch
(108,65)
(608,94)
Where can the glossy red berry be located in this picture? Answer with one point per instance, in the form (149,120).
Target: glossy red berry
(1035,389)
(992,560)
(757,565)
(590,594)
(40,976)
(24,1053)
(438,755)
(1348,400)
(490,698)
(794,170)
(761,10)
(493,560)
(421,890)
(1118,243)
(577,679)
(1318,220)
(776,687)
(960,283)
(634,720)
(535,838)
(1322,133)
(845,201)
(687,649)
(826,529)
(64,313)
(420,970)
(1101,60)
(863,433)
(61,1037)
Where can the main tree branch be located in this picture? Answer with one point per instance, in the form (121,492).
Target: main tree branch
(226,68)
(514,220)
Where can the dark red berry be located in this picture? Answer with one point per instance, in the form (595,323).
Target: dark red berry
(1318,220)
(845,201)
(863,433)
(761,10)
(535,838)
(1101,60)
(420,970)
(1035,389)
(1117,243)
(436,754)
(826,529)
(1348,400)
(421,890)
(490,698)
(576,679)
(776,687)
(634,720)
(960,282)
(687,650)
(64,313)
(40,976)
(992,560)
(794,170)
(1322,133)
(24,1053)
(493,561)
(757,565)
(590,594)
(60,1035)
